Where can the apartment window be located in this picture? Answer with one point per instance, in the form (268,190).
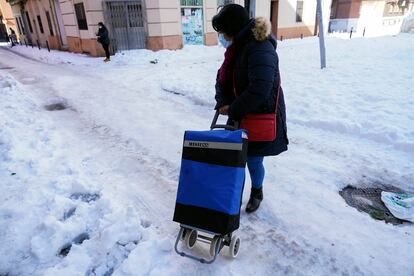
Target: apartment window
(49,23)
(191,3)
(221,3)
(34,24)
(333,9)
(81,16)
(299,11)
(29,23)
(393,9)
(39,20)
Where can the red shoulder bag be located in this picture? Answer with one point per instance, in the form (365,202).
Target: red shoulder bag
(261,127)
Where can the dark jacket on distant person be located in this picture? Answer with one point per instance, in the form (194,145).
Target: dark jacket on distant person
(103,35)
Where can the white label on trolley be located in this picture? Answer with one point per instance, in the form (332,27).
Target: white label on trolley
(213,145)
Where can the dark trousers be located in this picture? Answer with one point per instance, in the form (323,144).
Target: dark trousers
(106,48)
(13,43)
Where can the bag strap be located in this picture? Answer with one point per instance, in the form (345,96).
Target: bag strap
(278,93)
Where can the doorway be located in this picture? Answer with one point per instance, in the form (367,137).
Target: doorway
(274,14)
(3,31)
(127,24)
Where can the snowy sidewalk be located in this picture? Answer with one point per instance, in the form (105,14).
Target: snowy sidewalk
(107,166)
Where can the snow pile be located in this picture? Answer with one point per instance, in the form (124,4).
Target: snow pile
(51,204)
(349,97)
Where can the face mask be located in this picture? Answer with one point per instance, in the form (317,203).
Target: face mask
(224,42)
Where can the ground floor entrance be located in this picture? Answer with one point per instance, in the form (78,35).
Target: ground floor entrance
(126,24)
(3,31)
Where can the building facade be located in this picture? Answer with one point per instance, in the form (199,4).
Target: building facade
(153,24)
(290,18)
(133,24)
(369,17)
(37,22)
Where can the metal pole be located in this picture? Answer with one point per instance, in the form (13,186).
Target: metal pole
(321,34)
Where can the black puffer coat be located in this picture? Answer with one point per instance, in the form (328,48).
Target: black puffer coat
(256,81)
(103,35)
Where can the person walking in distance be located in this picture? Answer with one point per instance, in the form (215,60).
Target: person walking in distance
(13,37)
(103,38)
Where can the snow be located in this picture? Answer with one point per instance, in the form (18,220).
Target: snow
(101,175)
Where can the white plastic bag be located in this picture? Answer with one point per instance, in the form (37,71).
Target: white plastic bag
(400,205)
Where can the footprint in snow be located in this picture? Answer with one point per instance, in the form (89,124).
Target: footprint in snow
(85,197)
(56,107)
(79,239)
(145,223)
(69,213)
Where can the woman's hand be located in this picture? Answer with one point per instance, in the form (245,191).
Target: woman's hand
(224,110)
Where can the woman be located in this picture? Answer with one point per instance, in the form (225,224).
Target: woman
(103,38)
(248,82)
(13,37)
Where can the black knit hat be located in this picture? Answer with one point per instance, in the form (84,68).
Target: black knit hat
(231,19)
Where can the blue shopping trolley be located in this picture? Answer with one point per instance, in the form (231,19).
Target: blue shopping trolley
(210,189)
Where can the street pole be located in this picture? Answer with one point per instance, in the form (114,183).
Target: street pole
(321,34)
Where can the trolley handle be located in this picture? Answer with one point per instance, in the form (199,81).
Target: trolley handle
(228,127)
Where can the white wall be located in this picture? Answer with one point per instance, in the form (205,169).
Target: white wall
(210,9)
(287,13)
(326,13)
(163,17)
(262,8)
(69,18)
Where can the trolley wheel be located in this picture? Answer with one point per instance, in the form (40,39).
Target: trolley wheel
(213,245)
(190,238)
(183,233)
(234,246)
